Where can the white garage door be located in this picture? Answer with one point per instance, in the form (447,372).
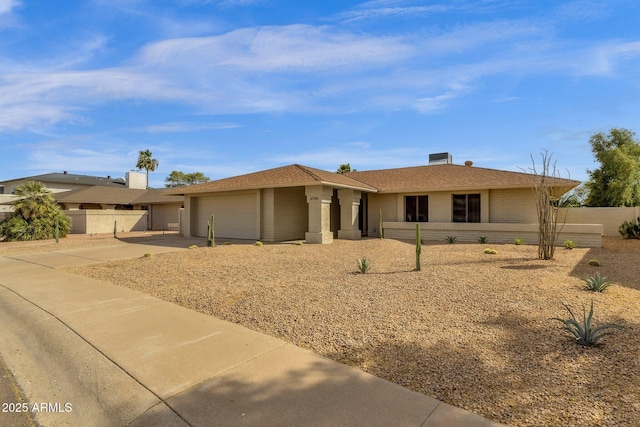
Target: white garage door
(235,216)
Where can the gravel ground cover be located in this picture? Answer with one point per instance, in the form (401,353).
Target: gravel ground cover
(471,329)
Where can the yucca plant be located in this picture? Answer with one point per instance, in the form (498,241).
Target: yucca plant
(483,239)
(364,264)
(584,332)
(451,239)
(596,283)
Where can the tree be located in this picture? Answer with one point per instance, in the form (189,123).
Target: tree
(36,216)
(344,168)
(547,213)
(617,181)
(146,162)
(180,179)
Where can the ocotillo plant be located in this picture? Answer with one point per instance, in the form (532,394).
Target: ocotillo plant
(210,234)
(380,225)
(418,247)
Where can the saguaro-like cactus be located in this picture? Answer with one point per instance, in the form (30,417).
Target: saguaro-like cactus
(418,247)
(115,229)
(380,231)
(210,234)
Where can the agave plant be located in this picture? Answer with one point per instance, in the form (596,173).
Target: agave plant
(364,264)
(451,239)
(596,283)
(483,239)
(584,332)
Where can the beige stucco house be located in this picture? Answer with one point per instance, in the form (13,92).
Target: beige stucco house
(96,204)
(297,202)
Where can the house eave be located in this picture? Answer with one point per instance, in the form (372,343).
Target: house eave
(280,185)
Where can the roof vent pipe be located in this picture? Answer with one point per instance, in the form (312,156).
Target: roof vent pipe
(468,163)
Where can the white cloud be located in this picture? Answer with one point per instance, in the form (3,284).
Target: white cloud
(273,49)
(187,127)
(7,6)
(300,68)
(81,160)
(371,12)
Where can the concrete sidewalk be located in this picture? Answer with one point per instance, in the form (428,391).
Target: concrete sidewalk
(89,353)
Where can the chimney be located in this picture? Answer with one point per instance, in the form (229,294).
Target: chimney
(136,180)
(468,163)
(440,159)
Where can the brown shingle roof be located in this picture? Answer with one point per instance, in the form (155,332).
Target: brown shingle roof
(285,176)
(450,177)
(116,196)
(445,177)
(157,196)
(99,194)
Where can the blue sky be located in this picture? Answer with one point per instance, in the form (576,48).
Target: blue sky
(227,87)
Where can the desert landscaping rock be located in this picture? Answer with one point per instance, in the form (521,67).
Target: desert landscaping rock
(471,330)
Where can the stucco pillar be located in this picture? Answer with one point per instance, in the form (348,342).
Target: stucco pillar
(319,201)
(187,213)
(349,206)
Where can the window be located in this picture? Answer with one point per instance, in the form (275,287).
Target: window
(416,208)
(466,208)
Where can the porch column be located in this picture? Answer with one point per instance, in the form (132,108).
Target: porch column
(349,206)
(319,201)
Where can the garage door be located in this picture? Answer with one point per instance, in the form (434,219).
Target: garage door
(235,216)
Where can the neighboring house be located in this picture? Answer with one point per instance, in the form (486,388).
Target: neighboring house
(297,202)
(97,204)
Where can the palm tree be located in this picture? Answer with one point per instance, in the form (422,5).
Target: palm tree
(146,162)
(35,216)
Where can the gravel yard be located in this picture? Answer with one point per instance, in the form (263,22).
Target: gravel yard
(471,329)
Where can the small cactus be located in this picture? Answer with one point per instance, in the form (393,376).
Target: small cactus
(418,247)
(594,262)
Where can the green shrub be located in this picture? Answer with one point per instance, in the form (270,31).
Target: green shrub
(490,251)
(630,229)
(483,239)
(35,216)
(596,283)
(227,243)
(584,332)
(451,239)
(364,264)
(519,242)
(569,244)
(594,262)
(258,243)
(193,247)
(147,254)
